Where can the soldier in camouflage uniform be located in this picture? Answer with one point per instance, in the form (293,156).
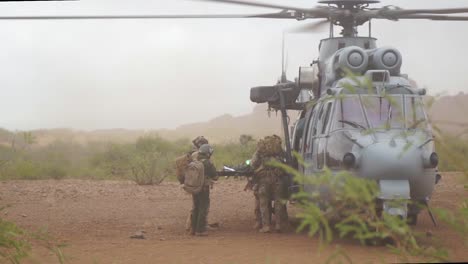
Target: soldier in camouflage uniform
(270,183)
(197,143)
(258,215)
(201,201)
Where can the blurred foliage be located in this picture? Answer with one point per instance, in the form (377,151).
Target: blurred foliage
(340,205)
(13,245)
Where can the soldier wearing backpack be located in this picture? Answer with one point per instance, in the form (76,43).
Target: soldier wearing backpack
(199,176)
(181,165)
(270,182)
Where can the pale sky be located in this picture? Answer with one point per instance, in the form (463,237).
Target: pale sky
(151,74)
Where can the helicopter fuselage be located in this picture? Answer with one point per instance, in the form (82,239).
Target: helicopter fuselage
(368,119)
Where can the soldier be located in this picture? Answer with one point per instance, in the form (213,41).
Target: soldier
(270,183)
(201,201)
(197,143)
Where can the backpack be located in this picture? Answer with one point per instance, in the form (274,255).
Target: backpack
(194,177)
(181,163)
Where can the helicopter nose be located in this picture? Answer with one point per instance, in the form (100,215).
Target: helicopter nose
(391,160)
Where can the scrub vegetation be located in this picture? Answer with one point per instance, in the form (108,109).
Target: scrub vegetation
(149,160)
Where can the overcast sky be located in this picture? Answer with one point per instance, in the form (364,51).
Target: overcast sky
(151,74)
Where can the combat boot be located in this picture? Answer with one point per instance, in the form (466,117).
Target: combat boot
(265,229)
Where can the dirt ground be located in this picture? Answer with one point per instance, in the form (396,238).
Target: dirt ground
(96,219)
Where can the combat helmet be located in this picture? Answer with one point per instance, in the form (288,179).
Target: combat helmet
(206,150)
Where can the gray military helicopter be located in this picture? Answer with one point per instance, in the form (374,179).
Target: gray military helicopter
(370,121)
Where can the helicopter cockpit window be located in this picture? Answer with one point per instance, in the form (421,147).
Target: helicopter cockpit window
(384,112)
(316,125)
(415,116)
(327,118)
(349,114)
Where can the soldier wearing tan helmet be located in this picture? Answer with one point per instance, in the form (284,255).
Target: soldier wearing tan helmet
(201,200)
(197,143)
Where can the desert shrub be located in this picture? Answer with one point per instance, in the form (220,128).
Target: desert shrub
(147,161)
(114,160)
(151,162)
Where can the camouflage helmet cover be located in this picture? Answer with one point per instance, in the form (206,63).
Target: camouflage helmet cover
(199,141)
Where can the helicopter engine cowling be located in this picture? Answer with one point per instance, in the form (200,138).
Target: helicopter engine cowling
(389,59)
(353,58)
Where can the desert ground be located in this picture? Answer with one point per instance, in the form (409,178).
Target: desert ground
(95,219)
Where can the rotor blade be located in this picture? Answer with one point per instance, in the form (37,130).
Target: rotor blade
(318,12)
(428,11)
(435,17)
(258,4)
(36,0)
(309,27)
(202,16)
(395,13)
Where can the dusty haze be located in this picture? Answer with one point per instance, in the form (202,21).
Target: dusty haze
(153,74)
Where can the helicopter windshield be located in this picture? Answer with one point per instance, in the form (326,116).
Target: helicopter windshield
(415,114)
(349,114)
(389,112)
(384,112)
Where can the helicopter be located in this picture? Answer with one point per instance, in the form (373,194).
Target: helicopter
(361,123)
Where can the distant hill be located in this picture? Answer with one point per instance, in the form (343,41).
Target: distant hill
(226,127)
(450,113)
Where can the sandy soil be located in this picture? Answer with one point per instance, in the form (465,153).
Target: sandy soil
(96,219)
